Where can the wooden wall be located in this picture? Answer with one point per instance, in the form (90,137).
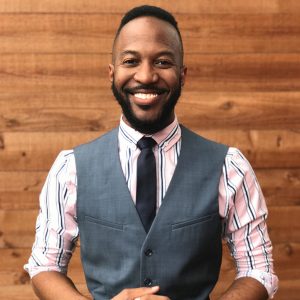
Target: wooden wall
(243,88)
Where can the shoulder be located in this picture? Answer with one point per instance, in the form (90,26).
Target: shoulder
(235,158)
(237,168)
(98,142)
(64,159)
(64,162)
(196,140)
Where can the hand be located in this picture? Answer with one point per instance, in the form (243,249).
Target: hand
(142,293)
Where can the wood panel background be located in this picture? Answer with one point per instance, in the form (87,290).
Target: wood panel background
(243,89)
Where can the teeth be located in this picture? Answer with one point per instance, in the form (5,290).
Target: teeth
(145,96)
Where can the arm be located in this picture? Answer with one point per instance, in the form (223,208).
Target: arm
(243,208)
(245,288)
(55,285)
(56,232)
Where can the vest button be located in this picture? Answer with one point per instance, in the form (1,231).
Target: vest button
(147,282)
(148,252)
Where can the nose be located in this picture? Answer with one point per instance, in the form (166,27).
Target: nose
(145,74)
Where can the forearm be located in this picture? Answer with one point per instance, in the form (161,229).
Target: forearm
(245,288)
(55,285)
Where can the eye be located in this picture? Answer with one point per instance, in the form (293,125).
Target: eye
(163,63)
(130,62)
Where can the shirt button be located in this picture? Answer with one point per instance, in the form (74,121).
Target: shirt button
(148,252)
(147,282)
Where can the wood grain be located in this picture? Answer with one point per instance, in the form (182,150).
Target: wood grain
(201,33)
(25,292)
(206,73)
(281,187)
(188,6)
(20,190)
(98,110)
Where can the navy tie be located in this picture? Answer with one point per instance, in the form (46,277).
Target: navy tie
(146,182)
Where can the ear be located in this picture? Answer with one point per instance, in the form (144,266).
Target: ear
(183,72)
(111,70)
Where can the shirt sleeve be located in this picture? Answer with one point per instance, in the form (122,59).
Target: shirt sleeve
(56,226)
(244,212)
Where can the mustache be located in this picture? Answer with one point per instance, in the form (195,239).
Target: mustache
(145,87)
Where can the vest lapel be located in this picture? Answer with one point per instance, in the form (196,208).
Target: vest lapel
(118,178)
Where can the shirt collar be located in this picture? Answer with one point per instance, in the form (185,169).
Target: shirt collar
(165,138)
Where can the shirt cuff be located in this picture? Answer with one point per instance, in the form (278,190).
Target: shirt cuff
(34,270)
(268,280)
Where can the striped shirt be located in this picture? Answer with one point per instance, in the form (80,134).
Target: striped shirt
(242,206)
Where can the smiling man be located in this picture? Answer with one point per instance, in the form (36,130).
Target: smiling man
(147,73)
(151,200)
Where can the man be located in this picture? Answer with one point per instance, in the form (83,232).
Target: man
(169,247)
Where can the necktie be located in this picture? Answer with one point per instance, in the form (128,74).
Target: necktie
(146,182)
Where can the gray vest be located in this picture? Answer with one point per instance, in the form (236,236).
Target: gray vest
(182,251)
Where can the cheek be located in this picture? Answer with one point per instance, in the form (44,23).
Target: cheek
(121,77)
(172,79)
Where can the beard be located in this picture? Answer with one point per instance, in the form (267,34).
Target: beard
(148,126)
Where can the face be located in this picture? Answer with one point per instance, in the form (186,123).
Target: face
(147,73)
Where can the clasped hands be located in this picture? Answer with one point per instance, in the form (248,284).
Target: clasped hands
(142,293)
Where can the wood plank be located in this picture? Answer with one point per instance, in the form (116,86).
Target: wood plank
(25,292)
(200,111)
(281,187)
(206,73)
(20,190)
(92,111)
(283,224)
(21,181)
(36,151)
(205,33)
(59,112)
(187,6)
(243,72)
(19,200)
(43,73)
(17,227)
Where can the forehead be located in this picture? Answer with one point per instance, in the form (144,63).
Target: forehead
(148,33)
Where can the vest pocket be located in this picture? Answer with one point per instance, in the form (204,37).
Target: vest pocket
(103,223)
(193,221)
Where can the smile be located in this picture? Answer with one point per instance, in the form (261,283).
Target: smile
(145,96)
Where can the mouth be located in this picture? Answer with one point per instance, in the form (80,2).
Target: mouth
(146,96)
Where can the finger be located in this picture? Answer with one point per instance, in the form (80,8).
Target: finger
(143,291)
(136,293)
(152,297)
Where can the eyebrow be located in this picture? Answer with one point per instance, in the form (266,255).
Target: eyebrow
(136,53)
(125,52)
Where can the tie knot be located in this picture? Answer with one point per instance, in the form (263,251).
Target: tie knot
(146,143)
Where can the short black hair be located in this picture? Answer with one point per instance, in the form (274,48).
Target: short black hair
(149,11)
